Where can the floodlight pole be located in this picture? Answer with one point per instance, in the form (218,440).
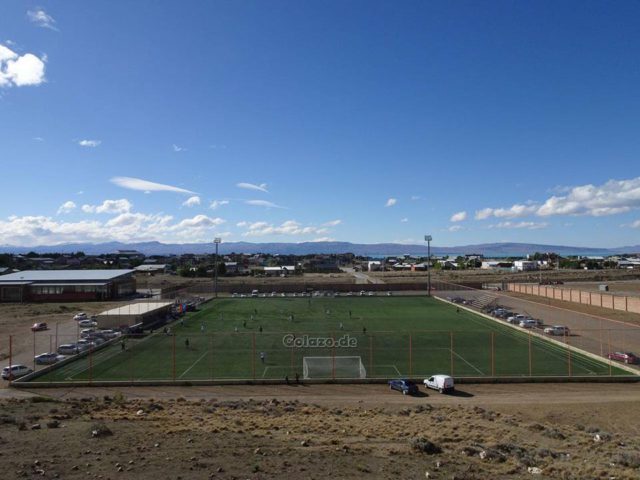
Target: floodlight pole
(217,241)
(427,239)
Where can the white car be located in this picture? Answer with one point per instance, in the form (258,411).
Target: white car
(516,319)
(442,383)
(47,358)
(557,330)
(68,349)
(528,323)
(88,323)
(80,316)
(15,371)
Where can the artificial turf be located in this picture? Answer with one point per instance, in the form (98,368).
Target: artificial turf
(242,338)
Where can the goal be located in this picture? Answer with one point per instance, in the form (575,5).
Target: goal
(333,367)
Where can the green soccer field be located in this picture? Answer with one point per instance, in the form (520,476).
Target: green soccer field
(345,337)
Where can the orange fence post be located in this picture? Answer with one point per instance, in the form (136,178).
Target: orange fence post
(211,356)
(34,350)
(174,357)
(451,350)
(90,366)
(410,355)
(253,356)
(10,356)
(493,354)
(530,371)
(333,356)
(609,340)
(370,355)
(568,355)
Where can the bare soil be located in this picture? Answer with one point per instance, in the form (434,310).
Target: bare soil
(486,431)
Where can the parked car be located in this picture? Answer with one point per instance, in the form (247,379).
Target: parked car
(528,323)
(86,344)
(407,387)
(47,358)
(68,349)
(36,327)
(626,357)
(234,295)
(80,316)
(389,294)
(557,330)
(108,334)
(12,372)
(88,323)
(442,383)
(516,319)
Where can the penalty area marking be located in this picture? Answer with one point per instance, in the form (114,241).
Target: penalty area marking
(465,361)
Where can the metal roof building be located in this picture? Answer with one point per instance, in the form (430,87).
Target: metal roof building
(133,314)
(66,285)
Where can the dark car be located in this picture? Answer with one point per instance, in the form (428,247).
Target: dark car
(407,387)
(625,357)
(36,327)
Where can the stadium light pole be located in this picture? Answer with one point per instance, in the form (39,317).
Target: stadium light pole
(217,241)
(427,238)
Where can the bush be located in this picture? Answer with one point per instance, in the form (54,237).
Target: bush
(423,445)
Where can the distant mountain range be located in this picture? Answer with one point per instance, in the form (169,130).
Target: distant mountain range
(306,248)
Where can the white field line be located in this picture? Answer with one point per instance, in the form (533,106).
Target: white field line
(194,364)
(465,361)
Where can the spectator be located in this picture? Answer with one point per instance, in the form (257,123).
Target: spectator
(262,357)
(297,378)
(186,343)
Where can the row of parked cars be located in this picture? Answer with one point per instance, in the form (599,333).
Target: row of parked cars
(526,321)
(442,383)
(256,294)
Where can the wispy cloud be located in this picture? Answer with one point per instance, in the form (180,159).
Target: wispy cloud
(415,197)
(262,203)
(514,225)
(41,19)
(177,148)
(290,227)
(404,220)
(191,201)
(323,239)
(147,186)
(455,228)
(38,139)
(20,70)
(251,186)
(218,203)
(332,223)
(391,202)
(458,217)
(109,206)
(66,207)
(89,143)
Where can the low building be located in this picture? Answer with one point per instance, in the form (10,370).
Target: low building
(152,268)
(66,285)
(141,314)
(525,265)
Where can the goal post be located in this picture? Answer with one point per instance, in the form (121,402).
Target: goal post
(333,367)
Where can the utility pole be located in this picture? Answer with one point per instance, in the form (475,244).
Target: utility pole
(217,241)
(427,239)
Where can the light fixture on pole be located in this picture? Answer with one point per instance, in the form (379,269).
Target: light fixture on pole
(427,238)
(217,241)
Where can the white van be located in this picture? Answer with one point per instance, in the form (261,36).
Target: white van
(254,293)
(442,383)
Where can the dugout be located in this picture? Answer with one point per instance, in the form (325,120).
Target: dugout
(139,314)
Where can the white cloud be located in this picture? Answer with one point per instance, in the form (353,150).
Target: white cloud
(611,198)
(125,227)
(323,239)
(20,70)
(89,143)
(635,224)
(191,201)
(146,186)
(404,220)
(526,225)
(250,186)
(218,203)
(66,207)
(200,221)
(290,227)
(109,206)
(332,223)
(262,203)
(38,139)
(458,217)
(177,148)
(455,228)
(42,19)
(242,224)
(415,197)
(391,202)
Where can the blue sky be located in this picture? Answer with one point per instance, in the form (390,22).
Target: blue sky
(295,121)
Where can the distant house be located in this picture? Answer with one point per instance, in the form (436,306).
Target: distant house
(151,268)
(283,271)
(525,265)
(131,254)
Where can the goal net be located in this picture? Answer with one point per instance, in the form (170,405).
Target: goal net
(333,367)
